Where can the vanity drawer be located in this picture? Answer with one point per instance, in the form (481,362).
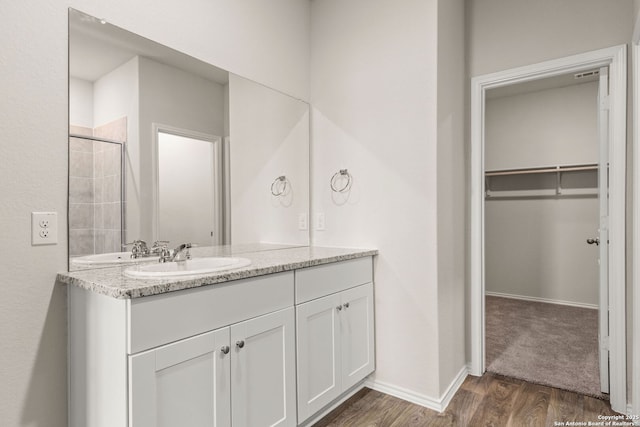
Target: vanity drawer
(161,319)
(316,282)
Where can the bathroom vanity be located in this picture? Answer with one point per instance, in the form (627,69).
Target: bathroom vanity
(278,342)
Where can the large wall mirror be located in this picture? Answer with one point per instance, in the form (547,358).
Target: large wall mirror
(165,147)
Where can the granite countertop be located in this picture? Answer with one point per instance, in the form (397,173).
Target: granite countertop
(112,282)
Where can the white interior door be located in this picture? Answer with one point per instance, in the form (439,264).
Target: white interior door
(189,209)
(603,232)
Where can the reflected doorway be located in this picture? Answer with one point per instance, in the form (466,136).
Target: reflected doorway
(189,203)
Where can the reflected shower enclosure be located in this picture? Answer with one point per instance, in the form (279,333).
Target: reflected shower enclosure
(96,183)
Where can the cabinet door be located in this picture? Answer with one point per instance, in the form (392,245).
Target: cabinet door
(319,354)
(184,383)
(358,359)
(263,371)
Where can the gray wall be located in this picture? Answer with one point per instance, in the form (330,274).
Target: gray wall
(536,248)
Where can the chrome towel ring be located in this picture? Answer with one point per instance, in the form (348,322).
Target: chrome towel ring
(279,186)
(341,175)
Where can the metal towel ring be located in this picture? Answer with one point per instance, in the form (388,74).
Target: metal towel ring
(282,180)
(334,178)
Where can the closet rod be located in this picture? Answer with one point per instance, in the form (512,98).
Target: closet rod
(542,170)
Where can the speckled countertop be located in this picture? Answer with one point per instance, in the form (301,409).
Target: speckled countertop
(112,282)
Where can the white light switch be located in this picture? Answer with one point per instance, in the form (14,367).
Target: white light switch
(44,228)
(303,223)
(320,221)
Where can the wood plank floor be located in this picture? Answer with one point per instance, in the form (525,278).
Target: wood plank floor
(490,400)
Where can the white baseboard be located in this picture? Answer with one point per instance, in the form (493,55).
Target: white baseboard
(636,422)
(438,405)
(547,300)
(356,388)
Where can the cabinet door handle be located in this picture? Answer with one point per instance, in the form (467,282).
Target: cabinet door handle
(346,305)
(224,349)
(339,308)
(240,343)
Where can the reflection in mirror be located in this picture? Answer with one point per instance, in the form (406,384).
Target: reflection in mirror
(189,161)
(163,146)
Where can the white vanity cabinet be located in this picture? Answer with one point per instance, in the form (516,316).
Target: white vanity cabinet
(217,355)
(215,377)
(263,383)
(183,383)
(227,354)
(335,333)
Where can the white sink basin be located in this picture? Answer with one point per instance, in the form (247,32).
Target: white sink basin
(113,258)
(195,266)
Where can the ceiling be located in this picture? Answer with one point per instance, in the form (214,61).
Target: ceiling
(97,47)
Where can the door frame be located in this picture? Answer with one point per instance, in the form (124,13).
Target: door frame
(218,220)
(635,368)
(614,57)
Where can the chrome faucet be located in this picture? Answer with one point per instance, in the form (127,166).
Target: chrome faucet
(181,253)
(139,248)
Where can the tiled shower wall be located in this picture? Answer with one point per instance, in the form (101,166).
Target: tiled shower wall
(95,190)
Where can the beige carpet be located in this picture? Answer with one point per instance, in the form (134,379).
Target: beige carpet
(548,344)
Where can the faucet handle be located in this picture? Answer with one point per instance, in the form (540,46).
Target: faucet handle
(139,248)
(165,254)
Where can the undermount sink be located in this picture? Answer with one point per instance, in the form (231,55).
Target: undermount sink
(113,258)
(191,267)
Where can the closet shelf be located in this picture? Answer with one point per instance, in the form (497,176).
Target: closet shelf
(546,169)
(552,186)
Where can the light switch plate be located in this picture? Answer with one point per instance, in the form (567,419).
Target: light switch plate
(320,224)
(44,228)
(303,223)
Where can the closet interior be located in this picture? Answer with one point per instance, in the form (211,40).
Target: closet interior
(541,206)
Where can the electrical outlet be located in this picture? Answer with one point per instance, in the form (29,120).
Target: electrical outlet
(44,228)
(303,223)
(320,224)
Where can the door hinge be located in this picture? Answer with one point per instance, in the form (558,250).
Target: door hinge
(604,343)
(604,102)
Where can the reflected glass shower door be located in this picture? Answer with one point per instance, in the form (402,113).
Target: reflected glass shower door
(96,207)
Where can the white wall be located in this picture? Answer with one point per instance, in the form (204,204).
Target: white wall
(172,97)
(270,44)
(374,89)
(80,103)
(269,138)
(543,128)
(452,197)
(504,34)
(537,248)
